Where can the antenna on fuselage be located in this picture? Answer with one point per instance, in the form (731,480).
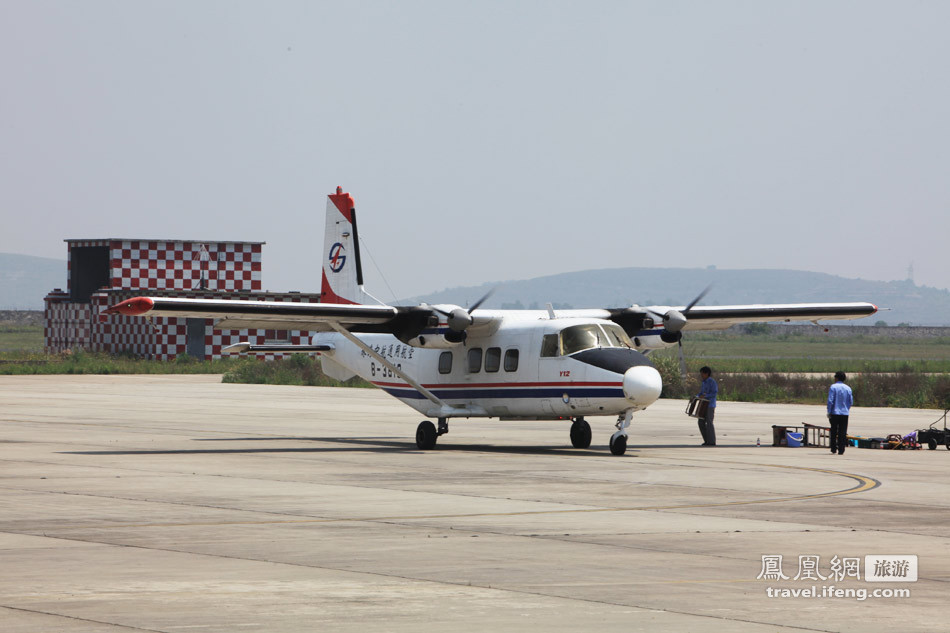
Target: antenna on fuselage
(551,314)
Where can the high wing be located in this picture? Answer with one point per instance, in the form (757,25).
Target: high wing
(721,317)
(676,318)
(407,322)
(403,322)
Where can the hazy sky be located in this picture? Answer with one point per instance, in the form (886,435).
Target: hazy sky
(486,140)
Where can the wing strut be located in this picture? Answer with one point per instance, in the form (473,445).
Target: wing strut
(369,350)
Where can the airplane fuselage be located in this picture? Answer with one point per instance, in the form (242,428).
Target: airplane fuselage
(523,368)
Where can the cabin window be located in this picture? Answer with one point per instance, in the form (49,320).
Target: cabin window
(492,359)
(445,362)
(474,360)
(549,345)
(511,360)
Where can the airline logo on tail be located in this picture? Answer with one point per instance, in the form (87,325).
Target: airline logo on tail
(337,258)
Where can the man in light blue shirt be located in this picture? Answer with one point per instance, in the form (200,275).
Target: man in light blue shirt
(708,389)
(839,407)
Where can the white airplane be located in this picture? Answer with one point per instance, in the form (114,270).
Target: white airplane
(446,361)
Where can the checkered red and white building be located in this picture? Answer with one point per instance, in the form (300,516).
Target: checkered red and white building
(104,272)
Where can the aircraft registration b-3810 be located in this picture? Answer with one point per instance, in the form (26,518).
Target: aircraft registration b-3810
(446,361)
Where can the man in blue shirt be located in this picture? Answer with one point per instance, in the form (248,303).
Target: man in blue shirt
(839,406)
(708,389)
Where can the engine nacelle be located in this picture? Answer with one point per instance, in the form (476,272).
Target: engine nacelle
(661,339)
(443,338)
(670,338)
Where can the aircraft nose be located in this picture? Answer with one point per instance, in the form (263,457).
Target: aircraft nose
(642,385)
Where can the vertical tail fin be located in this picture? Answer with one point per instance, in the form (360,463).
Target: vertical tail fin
(342,270)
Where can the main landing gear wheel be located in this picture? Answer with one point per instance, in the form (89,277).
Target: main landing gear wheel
(580,433)
(426,435)
(618,444)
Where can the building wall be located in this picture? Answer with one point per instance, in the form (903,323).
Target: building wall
(67,325)
(177,264)
(166,338)
(225,266)
(222,270)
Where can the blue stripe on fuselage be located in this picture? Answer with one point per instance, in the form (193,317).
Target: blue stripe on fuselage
(509,392)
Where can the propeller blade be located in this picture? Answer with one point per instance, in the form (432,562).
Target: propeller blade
(475,305)
(697,299)
(460,319)
(682,363)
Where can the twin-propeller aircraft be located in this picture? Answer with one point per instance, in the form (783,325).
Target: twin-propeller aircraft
(446,361)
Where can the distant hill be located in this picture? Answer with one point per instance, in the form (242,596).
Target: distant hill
(616,287)
(25,280)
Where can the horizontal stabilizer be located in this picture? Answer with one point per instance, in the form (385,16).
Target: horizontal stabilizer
(267,314)
(244,346)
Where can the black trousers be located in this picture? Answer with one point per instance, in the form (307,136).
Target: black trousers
(839,433)
(706,428)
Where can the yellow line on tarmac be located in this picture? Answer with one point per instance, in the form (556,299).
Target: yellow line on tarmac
(863,484)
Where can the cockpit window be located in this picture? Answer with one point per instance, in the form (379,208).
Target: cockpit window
(580,337)
(616,336)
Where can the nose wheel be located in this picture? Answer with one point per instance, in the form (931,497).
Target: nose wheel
(580,433)
(618,444)
(618,441)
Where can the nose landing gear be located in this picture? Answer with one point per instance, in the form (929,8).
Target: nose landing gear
(618,441)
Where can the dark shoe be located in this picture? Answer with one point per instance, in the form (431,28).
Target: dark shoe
(833,451)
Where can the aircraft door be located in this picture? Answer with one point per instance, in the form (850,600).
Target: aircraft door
(558,375)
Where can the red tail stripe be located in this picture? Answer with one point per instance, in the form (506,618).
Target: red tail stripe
(344,204)
(328,296)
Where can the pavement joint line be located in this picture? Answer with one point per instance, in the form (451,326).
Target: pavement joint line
(73,617)
(315,519)
(863,484)
(451,583)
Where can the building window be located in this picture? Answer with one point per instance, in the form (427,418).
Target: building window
(445,362)
(90,269)
(276,336)
(474,360)
(492,359)
(511,360)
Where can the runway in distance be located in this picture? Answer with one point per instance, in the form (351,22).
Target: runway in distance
(448,361)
